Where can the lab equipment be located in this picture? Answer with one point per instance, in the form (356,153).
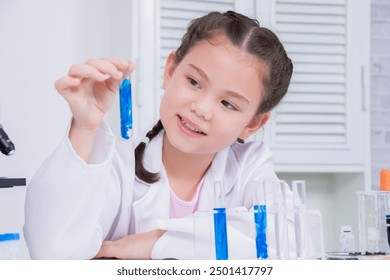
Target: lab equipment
(126,108)
(203,234)
(347,240)
(314,243)
(270,198)
(308,229)
(260,218)
(373,206)
(11,182)
(6,145)
(388,228)
(384,180)
(300,221)
(10,248)
(279,210)
(220,226)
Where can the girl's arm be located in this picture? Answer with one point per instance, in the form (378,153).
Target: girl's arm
(136,246)
(70,205)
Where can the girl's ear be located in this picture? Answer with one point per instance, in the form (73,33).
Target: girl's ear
(254,125)
(170,66)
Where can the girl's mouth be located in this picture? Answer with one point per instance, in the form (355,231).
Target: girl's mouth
(190,127)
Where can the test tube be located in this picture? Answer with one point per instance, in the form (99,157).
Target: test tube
(300,223)
(126,108)
(280,218)
(260,218)
(220,226)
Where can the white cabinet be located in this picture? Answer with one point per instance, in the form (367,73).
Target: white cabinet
(322,124)
(320,131)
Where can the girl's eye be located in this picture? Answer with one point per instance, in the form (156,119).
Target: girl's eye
(229,105)
(193,82)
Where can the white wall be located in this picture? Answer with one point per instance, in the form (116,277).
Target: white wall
(39,40)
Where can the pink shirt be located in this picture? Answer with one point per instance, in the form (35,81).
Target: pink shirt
(180,208)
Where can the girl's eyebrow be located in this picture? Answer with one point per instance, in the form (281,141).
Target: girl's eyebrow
(238,96)
(200,71)
(229,92)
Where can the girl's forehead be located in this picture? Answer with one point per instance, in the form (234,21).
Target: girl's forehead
(219,49)
(221,43)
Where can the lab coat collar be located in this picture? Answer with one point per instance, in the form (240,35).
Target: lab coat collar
(223,168)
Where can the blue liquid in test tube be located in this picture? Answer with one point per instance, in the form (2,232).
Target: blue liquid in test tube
(260,215)
(126,108)
(220,231)
(220,226)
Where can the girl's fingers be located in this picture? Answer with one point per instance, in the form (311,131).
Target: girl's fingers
(102,69)
(127,67)
(86,71)
(66,82)
(129,70)
(96,69)
(106,67)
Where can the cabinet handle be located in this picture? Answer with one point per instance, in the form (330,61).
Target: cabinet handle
(364,85)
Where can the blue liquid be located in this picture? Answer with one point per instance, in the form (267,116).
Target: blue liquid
(126,108)
(220,234)
(260,215)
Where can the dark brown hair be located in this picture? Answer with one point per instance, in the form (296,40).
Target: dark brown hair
(246,34)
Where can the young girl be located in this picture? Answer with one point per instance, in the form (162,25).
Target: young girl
(97,197)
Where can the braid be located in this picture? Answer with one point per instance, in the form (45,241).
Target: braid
(140,170)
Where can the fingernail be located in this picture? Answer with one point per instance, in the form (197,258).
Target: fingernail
(119,74)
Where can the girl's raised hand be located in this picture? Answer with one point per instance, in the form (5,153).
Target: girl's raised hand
(91,88)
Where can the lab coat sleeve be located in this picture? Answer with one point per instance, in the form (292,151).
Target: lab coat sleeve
(70,205)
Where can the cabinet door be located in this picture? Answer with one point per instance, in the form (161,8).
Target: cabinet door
(322,124)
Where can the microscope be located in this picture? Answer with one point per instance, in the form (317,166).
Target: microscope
(6,145)
(8,148)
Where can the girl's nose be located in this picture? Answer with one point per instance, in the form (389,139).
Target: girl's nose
(200,111)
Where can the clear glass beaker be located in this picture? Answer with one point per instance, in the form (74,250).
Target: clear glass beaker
(373,206)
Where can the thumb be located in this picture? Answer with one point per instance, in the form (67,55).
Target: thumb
(64,83)
(129,70)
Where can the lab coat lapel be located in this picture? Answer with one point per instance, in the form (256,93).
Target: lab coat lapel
(223,168)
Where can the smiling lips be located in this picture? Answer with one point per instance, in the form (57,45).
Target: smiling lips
(188,127)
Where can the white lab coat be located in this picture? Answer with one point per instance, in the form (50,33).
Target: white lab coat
(71,206)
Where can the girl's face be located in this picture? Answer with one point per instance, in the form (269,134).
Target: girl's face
(211,97)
